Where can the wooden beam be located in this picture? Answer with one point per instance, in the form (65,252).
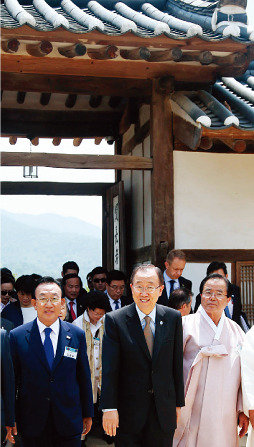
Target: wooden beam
(103,53)
(163,236)
(65,124)
(69,161)
(10,46)
(206,143)
(16,63)
(95,101)
(70,51)
(35,141)
(45,98)
(56,141)
(194,255)
(40,49)
(231,133)
(96,37)
(70,101)
(21,96)
(77,141)
(13,140)
(54,188)
(83,84)
(139,136)
(184,127)
(217,147)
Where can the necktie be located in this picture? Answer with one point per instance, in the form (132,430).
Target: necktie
(49,351)
(148,334)
(227,313)
(172,283)
(117,304)
(73,315)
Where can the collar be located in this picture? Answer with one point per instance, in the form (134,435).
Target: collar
(111,299)
(216,329)
(71,301)
(55,326)
(141,315)
(167,278)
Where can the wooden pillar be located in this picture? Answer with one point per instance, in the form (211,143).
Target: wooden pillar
(163,237)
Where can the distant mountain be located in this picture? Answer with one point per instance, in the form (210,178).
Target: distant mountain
(42,243)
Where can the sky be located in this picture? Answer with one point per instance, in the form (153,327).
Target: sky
(250,12)
(88,209)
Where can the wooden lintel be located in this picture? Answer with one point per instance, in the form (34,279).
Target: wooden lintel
(213,146)
(194,255)
(54,188)
(232,133)
(69,161)
(236,145)
(86,85)
(96,37)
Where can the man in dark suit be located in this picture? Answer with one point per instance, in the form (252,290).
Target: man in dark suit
(142,372)
(8,428)
(234,308)
(173,279)
(115,285)
(54,393)
(72,285)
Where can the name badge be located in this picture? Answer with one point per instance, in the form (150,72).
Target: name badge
(70,352)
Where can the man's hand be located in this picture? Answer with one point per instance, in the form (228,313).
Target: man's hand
(243,424)
(11,432)
(178,411)
(251,414)
(110,422)
(87,424)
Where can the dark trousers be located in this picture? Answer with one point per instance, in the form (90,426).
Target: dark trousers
(51,438)
(151,434)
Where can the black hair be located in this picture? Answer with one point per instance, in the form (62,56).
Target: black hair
(46,280)
(179,297)
(216,265)
(70,265)
(98,271)
(216,276)
(7,278)
(115,275)
(97,300)
(69,276)
(145,267)
(25,283)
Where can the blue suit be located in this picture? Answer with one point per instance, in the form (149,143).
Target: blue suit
(7,385)
(13,313)
(65,391)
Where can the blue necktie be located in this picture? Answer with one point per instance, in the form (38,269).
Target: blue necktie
(49,351)
(172,283)
(226,310)
(117,304)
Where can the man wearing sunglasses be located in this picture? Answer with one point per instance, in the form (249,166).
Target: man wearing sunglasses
(7,289)
(116,281)
(99,277)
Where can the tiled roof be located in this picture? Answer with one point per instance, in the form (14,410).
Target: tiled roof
(177,19)
(231,102)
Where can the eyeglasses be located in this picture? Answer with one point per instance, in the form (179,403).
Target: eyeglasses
(97,280)
(53,300)
(148,289)
(210,293)
(96,313)
(121,288)
(8,292)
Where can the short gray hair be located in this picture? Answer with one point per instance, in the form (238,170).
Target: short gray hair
(145,268)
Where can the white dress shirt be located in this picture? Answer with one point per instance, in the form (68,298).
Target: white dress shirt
(113,303)
(74,305)
(53,334)
(167,280)
(29,314)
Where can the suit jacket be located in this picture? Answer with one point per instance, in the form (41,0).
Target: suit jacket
(130,377)
(13,313)
(66,389)
(80,310)
(125,301)
(7,383)
(237,305)
(163,299)
(6,324)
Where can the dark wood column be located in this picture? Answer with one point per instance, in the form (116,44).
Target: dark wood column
(163,237)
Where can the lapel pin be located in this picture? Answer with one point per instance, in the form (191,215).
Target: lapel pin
(68,337)
(161,323)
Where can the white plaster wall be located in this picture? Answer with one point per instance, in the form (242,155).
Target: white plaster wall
(214,200)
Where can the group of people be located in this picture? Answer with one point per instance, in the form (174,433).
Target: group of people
(134,357)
